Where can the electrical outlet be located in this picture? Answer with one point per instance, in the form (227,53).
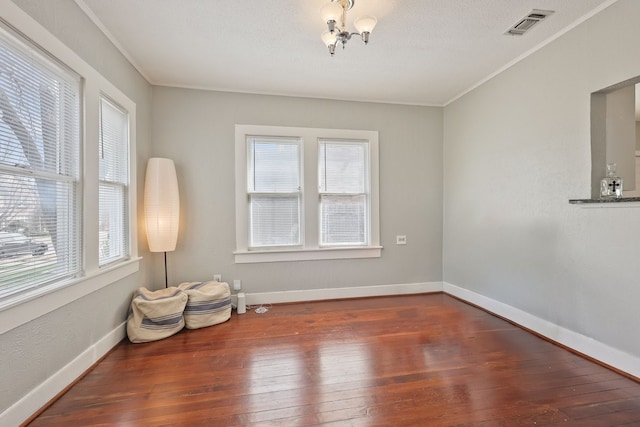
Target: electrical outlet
(237,285)
(401,240)
(217,277)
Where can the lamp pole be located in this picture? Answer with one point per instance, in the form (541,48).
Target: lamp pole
(166,279)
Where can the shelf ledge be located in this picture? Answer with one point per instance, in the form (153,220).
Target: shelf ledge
(606,203)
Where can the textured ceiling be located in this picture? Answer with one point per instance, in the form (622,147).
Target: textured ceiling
(424,52)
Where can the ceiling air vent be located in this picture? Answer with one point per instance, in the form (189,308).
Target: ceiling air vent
(528,22)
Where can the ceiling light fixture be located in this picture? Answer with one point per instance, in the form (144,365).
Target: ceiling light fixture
(335,15)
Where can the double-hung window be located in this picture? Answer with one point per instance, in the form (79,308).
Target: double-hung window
(344,193)
(306,194)
(113,152)
(274,193)
(39,168)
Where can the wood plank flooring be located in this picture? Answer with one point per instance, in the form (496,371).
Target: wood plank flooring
(418,360)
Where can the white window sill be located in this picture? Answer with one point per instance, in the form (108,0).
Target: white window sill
(30,305)
(250,257)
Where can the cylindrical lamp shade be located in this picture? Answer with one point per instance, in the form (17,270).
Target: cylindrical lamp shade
(161,205)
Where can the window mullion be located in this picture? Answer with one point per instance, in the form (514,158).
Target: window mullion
(327,193)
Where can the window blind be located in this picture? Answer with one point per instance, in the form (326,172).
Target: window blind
(343,182)
(113,227)
(274,191)
(39,168)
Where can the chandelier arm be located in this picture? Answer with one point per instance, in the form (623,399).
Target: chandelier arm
(364,36)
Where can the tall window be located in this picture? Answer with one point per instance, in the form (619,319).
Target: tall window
(113,153)
(306,194)
(39,168)
(274,191)
(344,193)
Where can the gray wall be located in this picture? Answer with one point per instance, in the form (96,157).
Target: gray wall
(196,129)
(34,351)
(515,150)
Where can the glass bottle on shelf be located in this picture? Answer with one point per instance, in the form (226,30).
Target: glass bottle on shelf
(611,185)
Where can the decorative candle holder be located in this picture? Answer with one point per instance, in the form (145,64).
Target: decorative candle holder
(611,185)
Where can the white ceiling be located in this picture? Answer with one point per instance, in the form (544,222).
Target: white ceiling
(423,52)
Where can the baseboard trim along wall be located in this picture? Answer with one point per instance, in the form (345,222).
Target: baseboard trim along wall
(340,293)
(613,357)
(44,392)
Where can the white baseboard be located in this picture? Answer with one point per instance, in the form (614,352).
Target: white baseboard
(613,357)
(339,293)
(44,392)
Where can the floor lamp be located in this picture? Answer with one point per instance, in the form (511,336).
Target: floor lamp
(161,207)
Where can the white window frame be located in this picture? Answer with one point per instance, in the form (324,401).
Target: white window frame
(50,175)
(118,213)
(366,192)
(310,248)
(20,308)
(299,193)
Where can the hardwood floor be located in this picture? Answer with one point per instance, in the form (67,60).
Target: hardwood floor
(419,360)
